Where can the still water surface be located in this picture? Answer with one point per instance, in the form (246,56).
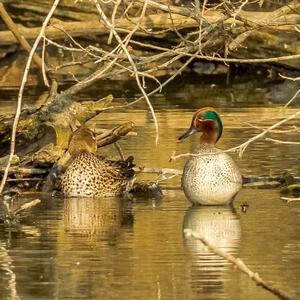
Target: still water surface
(117,249)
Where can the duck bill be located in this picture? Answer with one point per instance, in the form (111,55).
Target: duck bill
(188,133)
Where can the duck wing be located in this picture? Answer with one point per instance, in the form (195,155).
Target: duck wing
(119,169)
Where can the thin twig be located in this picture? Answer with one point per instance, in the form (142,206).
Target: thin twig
(113,19)
(157,89)
(119,149)
(282,142)
(289,78)
(136,72)
(20,95)
(46,82)
(241,148)
(293,128)
(292,99)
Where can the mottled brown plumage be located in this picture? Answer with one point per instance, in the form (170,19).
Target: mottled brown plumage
(90,176)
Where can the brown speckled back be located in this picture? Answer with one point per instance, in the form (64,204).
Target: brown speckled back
(89,176)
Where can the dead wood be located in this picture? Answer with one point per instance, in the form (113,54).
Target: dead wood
(11,213)
(155,22)
(111,46)
(291,200)
(239,264)
(113,135)
(27,206)
(13,28)
(54,120)
(237,34)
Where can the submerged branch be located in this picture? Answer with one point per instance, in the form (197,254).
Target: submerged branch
(240,265)
(290,199)
(173,35)
(160,171)
(27,206)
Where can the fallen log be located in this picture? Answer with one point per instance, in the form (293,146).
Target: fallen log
(57,30)
(53,121)
(43,131)
(253,34)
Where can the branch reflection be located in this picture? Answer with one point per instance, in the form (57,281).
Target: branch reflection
(221,227)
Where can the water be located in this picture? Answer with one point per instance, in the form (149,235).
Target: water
(115,249)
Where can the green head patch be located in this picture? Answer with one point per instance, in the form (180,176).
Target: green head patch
(213,116)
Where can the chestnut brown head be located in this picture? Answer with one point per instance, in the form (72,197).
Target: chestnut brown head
(207,121)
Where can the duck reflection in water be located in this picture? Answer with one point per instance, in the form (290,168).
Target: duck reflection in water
(221,227)
(92,230)
(96,217)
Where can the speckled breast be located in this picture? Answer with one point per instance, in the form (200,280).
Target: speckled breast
(212,178)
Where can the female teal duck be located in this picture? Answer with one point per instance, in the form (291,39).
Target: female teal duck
(90,176)
(212,178)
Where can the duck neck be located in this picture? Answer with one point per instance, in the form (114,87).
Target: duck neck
(209,138)
(77,152)
(211,133)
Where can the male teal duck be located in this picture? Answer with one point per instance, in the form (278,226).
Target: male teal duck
(212,178)
(90,176)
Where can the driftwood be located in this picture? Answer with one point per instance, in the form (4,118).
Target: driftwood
(55,119)
(220,33)
(77,29)
(224,33)
(285,181)
(10,214)
(291,200)
(36,165)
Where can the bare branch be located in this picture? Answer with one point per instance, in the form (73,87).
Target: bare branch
(241,148)
(282,142)
(136,72)
(20,95)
